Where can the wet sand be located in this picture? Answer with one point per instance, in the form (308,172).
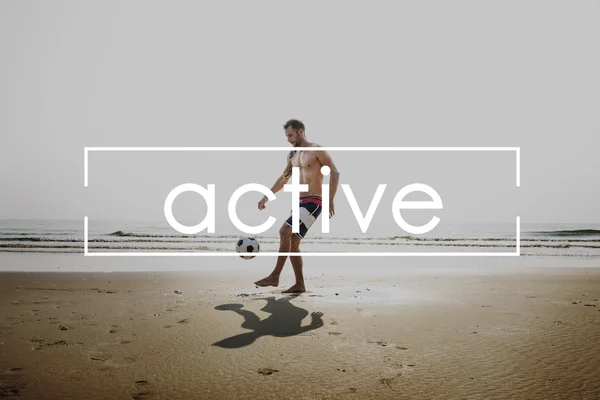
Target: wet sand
(475,333)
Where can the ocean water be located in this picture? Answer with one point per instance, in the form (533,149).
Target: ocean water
(60,236)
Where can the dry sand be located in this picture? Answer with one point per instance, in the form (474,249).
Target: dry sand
(480,333)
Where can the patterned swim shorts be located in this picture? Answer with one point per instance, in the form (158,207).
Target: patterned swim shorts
(310,209)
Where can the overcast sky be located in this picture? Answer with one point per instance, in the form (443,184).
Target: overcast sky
(147,73)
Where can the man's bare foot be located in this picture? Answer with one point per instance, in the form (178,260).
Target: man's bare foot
(268,281)
(297,288)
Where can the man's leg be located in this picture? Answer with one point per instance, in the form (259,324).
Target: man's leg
(297,265)
(285,239)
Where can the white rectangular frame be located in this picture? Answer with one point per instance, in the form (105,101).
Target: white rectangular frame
(87,150)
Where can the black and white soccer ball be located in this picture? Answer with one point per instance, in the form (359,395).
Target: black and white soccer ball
(247,245)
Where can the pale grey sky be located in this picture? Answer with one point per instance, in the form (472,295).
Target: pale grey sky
(147,73)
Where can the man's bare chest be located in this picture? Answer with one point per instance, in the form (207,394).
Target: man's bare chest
(304,160)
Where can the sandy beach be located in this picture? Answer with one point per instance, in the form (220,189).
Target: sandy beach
(360,332)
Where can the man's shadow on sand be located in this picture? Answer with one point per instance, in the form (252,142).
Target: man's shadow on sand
(284,321)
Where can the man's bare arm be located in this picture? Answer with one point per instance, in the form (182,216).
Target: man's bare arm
(334,178)
(284,178)
(278,185)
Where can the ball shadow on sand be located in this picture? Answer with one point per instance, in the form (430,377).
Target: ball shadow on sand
(285,320)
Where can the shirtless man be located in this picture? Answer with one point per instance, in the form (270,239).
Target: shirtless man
(309,163)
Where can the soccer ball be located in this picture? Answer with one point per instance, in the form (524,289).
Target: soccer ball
(247,245)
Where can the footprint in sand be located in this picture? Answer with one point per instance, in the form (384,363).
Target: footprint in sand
(142,390)
(98,356)
(389,380)
(55,343)
(12,383)
(512,329)
(267,371)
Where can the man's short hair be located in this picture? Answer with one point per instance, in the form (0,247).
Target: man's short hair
(295,124)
